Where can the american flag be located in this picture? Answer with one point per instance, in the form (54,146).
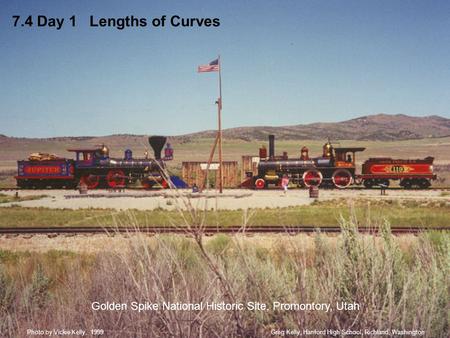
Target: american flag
(213,66)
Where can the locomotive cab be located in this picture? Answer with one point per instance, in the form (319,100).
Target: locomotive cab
(346,157)
(86,157)
(337,165)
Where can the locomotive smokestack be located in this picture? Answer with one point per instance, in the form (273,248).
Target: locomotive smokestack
(271,146)
(157,144)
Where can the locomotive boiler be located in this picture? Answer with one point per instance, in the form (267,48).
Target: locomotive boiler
(336,167)
(94,168)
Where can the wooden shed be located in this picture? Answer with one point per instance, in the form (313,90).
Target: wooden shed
(193,172)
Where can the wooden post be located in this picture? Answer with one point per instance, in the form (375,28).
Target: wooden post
(211,155)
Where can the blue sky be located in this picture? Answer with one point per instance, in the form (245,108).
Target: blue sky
(284,62)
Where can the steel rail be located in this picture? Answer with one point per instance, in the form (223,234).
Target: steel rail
(205,230)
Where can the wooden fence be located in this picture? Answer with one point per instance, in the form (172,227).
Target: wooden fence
(193,173)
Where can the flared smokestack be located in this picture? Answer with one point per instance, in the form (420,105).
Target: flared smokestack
(271,146)
(157,144)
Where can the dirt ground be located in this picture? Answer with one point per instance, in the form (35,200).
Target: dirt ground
(234,199)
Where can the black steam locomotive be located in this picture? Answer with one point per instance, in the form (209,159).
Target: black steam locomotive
(336,167)
(93,168)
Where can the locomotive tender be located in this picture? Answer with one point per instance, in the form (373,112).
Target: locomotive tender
(337,168)
(411,173)
(94,168)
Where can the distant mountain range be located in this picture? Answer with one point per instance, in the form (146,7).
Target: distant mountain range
(380,127)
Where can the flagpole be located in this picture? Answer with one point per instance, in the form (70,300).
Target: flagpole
(219,113)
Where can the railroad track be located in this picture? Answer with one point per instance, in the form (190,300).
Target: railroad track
(138,188)
(206,230)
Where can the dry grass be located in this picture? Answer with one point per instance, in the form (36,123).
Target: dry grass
(399,284)
(4,198)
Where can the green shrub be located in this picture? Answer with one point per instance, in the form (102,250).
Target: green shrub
(219,245)
(37,295)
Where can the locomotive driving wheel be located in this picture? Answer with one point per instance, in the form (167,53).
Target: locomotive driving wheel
(312,178)
(115,178)
(342,178)
(90,181)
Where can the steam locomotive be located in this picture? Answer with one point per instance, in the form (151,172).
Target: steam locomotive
(94,168)
(337,168)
